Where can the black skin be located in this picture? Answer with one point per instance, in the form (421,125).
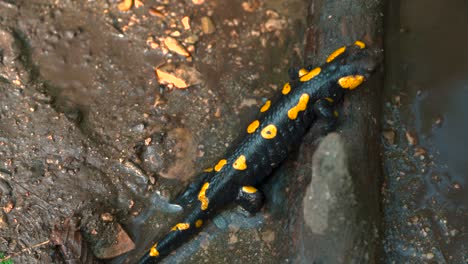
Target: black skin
(263,155)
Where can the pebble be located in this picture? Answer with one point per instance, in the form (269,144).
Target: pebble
(389,135)
(207,25)
(412,140)
(125,5)
(182,76)
(174,45)
(186,22)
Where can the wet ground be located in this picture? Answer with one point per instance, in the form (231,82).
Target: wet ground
(425,113)
(91,141)
(89,134)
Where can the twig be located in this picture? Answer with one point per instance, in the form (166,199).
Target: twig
(25,249)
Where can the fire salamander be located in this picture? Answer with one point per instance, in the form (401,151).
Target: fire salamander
(311,93)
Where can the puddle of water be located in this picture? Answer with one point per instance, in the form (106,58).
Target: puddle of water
(425,207)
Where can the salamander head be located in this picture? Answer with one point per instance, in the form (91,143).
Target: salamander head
(355,63)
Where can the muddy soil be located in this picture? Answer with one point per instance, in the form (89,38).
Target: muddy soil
(98,130)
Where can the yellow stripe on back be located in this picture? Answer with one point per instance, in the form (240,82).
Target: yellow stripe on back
(220,165)
(202,196)
(286,88)
(351,81)
(240,164)
(266,106)
(311,74)
(181,227)
(335,54)
(269,132)
(249,189)
(253,126)
(360,44)
(153,251)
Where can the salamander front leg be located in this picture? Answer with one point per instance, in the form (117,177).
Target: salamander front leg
(293,73)
(190,193)
(250,199)
(324,109)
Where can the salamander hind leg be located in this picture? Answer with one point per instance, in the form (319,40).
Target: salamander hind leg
(250,199)
(325,109)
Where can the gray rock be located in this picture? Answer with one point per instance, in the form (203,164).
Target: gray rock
(336,231)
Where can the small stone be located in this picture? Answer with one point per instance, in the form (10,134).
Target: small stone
(411,138)
(389,135)
(198,2)
(419,151)
(268,236)
(138,128)
(207,25)
(430,255)
(107,217)
(232,238)
(438,122)
(186,22)
(125,5)
(251,6)
(174,45)
(192,39)
(175,34)
(138,3)
(275,24)
(181,77)
(154,12)
(3,221)
(8,207)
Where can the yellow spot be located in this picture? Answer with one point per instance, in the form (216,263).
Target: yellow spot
(302,72)
(181,227)
(336,53)
(286,88)
(310,74)
(329,99)
(335,113)
(239,164)
(301,106)
(249,189)
(199,223)
(208,170)
(153,251)
(253,126)
(269,131)
(266,106)
(202,196)
(351,81)
(360,44)
(220,165)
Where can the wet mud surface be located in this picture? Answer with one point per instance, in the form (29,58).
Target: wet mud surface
(424,191)
(91,143)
